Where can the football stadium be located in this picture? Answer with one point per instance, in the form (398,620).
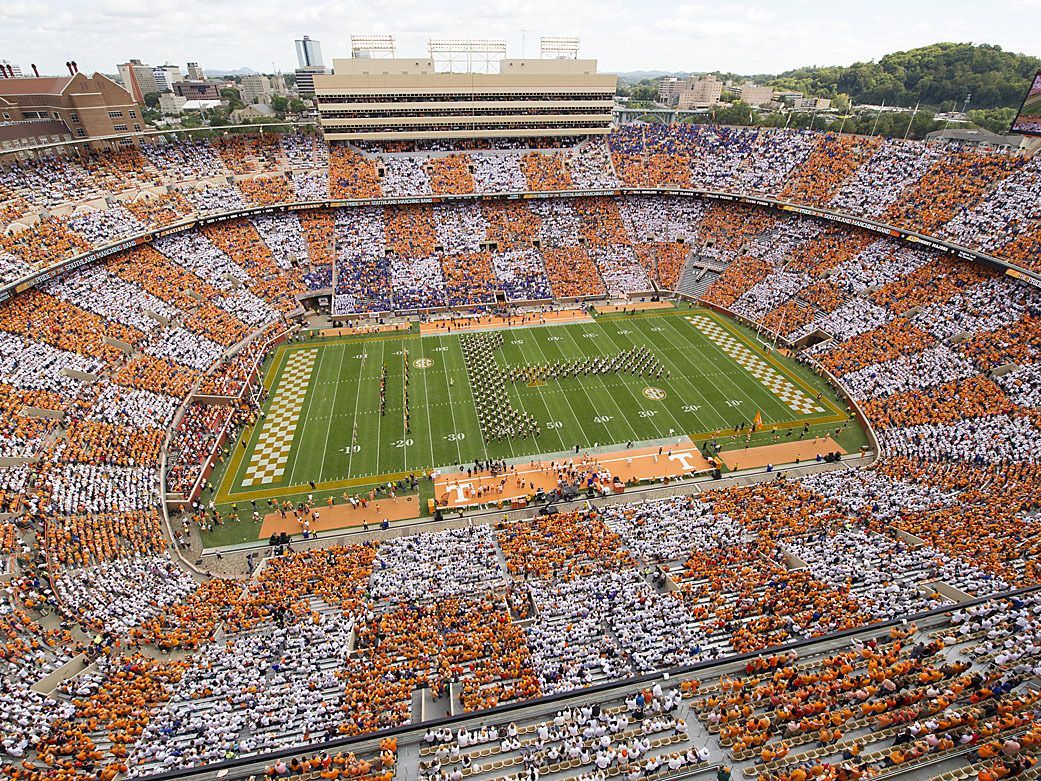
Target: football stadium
(518,442)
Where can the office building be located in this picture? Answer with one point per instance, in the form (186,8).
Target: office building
(255,89)
(197,90)
(305,80)
(811,104)
(166,76)
(699,92)
(138,79)
(755,94)
(309,53)
(669,86)
(170,103)
(196,73)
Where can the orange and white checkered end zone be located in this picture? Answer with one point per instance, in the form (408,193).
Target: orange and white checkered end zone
(457,489)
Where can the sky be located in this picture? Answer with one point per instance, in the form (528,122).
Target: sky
(762,36)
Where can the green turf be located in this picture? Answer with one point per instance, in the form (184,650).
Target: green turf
(706,392)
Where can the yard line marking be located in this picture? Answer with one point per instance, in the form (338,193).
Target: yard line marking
(451,407)
(354,422)
(426,398)
(379,417)
(681,428)
(328,429)
(520,396)
(610,395)
(736,378)
(767,375)
(271,453)
(685,377)
(568,400)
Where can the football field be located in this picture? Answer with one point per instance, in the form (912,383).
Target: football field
(325,421)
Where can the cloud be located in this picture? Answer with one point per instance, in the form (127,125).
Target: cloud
(760,36)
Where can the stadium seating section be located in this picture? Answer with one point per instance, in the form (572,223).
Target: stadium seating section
(943,355)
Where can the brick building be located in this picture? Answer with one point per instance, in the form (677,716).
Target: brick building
(89,106)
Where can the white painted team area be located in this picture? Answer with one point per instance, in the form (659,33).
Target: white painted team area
(614,468)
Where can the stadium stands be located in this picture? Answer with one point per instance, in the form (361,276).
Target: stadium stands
(941,353)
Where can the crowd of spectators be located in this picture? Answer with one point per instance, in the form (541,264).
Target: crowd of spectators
(333,641)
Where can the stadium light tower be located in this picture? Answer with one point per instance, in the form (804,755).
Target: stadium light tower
(466,55)
(371,47)
(524,41)
(559,47)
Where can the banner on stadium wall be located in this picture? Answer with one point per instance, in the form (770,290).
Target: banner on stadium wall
(1024,278)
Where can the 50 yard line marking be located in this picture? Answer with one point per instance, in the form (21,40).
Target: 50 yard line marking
(520,397)
(573,414)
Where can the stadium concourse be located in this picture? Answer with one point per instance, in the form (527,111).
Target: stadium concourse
(786,608)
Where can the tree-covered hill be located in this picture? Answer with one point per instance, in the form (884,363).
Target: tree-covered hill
(940,76)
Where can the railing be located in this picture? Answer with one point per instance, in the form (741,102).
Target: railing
(256,127)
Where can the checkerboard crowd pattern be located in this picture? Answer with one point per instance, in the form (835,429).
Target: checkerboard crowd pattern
(768,377)
(276,435)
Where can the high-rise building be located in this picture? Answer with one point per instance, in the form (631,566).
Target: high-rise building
(196,73)
(138,79)
(166,76)
(305,80)
(309,53)
(255,89)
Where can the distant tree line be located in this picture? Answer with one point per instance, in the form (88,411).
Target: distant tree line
(939,77)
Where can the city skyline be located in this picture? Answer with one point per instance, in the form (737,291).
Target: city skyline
(747,38)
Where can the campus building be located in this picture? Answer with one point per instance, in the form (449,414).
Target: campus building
(755,94)
(88,106)
(408,99)
(255,89)
(138,79)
